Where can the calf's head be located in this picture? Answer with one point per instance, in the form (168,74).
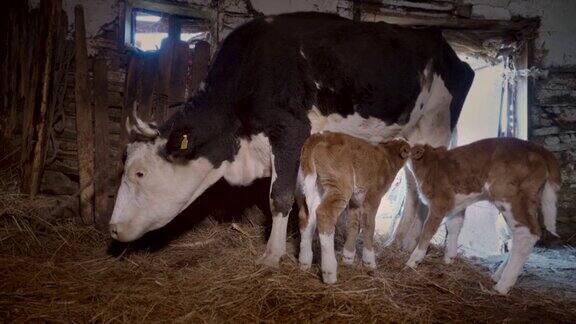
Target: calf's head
(398,149)
(156,186)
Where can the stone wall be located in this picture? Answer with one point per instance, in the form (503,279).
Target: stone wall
(553,124)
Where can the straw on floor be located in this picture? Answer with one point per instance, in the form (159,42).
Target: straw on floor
(54,269)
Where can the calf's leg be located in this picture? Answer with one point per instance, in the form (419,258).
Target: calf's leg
(370,208)
(453,226)
(333,203)
(431,225)
(352,227)
(523,242)
(308,220)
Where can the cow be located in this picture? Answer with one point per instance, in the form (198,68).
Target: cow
(339,172)
(516,176)
(275,81)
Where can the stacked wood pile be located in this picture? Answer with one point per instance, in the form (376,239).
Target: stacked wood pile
(35,59)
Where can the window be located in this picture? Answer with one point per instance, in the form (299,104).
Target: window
(149,23)
(149,30)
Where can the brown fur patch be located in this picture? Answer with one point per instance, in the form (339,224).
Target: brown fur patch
(515,172)
(350,169)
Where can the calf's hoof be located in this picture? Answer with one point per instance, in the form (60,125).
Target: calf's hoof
(412,264)
(270,260)
(329,277)
(348,257)
(501,289)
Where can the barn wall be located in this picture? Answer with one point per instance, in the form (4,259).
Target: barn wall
(552,111)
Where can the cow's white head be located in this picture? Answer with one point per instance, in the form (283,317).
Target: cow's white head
(154,189)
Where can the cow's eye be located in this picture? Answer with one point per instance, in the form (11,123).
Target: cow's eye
(140,174)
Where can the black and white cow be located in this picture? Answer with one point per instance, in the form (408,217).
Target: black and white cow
(275,81)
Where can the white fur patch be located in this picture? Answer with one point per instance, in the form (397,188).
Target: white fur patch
(312,196)
(522,244)
(348,256)
(329,264)
(276,245)
(151,201)
(371,129)
(431,124)
(251,162)
(369,258)
(549,198)
(416,257)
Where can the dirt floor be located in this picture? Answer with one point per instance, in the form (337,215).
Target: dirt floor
(54,269)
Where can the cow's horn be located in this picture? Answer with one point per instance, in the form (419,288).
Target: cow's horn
(136,126)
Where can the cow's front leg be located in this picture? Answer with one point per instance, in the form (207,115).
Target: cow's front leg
(408,229)
(285,160)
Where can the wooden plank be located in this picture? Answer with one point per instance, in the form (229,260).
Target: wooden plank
(200,64)
(101,144)
(130,91)
(146,86)
(165,68)
(84,126)
(44,122)
(177,88)
(31,96)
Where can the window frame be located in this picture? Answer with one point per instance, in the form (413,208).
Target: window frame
(175,13)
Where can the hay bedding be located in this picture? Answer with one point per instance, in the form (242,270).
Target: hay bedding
(52,269)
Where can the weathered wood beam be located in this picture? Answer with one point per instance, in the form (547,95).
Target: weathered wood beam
(101,143)
(84,126)
(30,89)
(44,122)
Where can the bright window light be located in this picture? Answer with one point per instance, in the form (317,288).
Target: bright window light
(148,18)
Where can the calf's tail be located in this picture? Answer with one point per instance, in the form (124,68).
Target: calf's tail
(550,193)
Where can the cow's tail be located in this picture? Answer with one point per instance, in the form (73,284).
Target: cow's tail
(550,193)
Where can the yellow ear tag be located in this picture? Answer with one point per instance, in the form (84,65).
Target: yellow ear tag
(184,143)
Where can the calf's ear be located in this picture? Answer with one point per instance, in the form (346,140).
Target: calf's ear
(405,151)
(416,153)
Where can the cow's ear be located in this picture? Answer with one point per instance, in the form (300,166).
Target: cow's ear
(139,129)
(417,152)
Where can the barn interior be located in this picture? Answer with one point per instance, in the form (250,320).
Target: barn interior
(71,71)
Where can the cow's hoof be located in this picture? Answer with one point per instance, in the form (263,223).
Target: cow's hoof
(348,257)
(270,260)
(501,289)
(412,264)
(448,260)
(496,276)
(370,265)
(329,277)
(305,266)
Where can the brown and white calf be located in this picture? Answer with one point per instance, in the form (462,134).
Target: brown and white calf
(339,171)
(515,175)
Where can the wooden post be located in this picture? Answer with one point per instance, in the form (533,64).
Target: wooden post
(53,21)
(102,147)
(84,127)
(130,92)
(31,94)
(199,68)
(165,61)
